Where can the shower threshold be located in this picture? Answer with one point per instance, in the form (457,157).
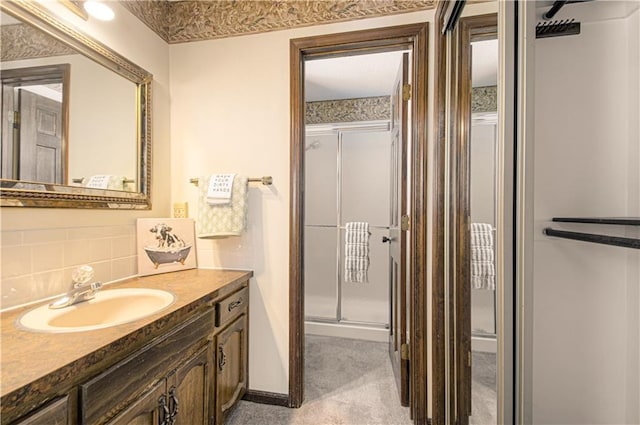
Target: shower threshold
(347,329)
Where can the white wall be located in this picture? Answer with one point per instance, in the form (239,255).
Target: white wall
(633,209)
(585,306)
(230,111)
(34,231)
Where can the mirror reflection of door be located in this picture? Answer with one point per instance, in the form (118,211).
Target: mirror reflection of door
(475,226)
(39,129)
(34,110)
(483,163)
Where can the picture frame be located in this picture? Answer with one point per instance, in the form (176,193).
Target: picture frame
(165,245)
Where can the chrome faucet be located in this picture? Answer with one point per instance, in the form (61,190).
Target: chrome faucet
(82,290)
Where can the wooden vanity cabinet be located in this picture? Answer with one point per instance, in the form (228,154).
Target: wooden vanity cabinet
(187,367)
(191,376)
(230,348)
(231,366)
(186,387)
(173,369)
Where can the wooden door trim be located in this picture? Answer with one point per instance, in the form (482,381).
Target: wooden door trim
(374,40)
(438,388)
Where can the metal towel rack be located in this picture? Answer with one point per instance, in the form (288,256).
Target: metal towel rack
(124,180)
(633,243)
(334,226)
(265,180)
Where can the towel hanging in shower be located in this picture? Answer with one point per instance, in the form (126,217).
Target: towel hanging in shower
(482,258)
(356,252)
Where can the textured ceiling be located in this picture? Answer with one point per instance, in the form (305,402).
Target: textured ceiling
(183,21)
(351,77)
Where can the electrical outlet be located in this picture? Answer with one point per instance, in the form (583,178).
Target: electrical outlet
(180,210)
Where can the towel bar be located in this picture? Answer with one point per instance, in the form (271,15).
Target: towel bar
(594,238)
(265,180)
(81,179)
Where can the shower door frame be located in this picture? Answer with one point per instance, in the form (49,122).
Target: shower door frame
(340,129)
(414,37)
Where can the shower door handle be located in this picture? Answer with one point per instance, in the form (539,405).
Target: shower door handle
(386,239)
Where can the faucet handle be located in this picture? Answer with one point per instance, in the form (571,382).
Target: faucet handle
(82,275)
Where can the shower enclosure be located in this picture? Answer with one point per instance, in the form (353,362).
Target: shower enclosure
(347,179)
(483,190)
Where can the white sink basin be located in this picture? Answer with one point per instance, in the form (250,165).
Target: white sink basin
(110,307)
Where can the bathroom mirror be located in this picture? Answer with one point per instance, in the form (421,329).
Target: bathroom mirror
(89,146)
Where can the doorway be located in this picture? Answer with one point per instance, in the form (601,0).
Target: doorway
(411,347)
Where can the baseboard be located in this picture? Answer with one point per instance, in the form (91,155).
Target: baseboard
(265,397)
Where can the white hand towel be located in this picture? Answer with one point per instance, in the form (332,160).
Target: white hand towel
(220,189)
(105,181)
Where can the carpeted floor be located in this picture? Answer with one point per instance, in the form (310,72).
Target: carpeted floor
(350,382)
(483,389)
(347,382)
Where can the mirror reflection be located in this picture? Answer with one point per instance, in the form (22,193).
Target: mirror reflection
(66,119)
(483,181)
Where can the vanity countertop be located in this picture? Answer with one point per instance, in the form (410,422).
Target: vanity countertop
(36,362)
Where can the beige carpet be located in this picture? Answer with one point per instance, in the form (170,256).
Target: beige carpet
(484,406)
(348,382)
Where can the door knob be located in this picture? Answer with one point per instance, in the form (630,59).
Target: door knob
(386,239)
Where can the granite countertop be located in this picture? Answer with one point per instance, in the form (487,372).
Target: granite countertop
(36,362)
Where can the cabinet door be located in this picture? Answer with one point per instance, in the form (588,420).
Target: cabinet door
(231,366)
(55,413)
(188,390)
(149,409)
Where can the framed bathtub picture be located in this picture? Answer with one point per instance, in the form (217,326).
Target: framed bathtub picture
(165,245)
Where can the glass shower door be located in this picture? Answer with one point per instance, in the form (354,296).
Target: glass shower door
(320,230)
(364,195)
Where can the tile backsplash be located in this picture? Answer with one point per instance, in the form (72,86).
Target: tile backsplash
(37,264)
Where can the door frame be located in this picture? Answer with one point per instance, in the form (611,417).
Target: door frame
(414,36)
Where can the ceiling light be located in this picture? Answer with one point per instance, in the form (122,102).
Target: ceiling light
(99,10)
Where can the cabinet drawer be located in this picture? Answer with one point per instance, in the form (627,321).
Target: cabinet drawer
(231,306)
(55,413)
